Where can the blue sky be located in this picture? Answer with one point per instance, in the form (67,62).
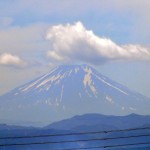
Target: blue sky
(29,47)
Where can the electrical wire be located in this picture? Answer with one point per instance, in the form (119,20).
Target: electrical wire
(73,141)
(107,146)
(70,134)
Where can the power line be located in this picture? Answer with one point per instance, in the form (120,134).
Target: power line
(71,141)
(107,146)
(69,134)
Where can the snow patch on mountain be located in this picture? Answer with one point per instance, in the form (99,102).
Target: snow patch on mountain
(109,99)
(79,95)
(77,69)
(123,108)
(62,90)
(51,80)
(133,109)
(24,89)
(110,85)
(87,81)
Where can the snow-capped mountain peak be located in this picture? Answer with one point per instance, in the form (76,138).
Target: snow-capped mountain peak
(56,75)
(69,90)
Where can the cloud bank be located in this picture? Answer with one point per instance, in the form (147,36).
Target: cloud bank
(11,60)
(71,43)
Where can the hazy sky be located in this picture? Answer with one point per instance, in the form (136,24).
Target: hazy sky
(111,35)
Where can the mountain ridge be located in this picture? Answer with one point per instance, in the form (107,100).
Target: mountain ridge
(101,120)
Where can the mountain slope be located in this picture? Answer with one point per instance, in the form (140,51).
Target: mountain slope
(69,90)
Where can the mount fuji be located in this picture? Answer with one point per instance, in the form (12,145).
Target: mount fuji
(70,90)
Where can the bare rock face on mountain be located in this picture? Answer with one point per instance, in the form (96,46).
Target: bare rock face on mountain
(70,90)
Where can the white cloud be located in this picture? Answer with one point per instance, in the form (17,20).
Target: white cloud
(11,60)
(76,43)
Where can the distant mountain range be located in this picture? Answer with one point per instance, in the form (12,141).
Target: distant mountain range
(100,122)
(79,124)
(67,91)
